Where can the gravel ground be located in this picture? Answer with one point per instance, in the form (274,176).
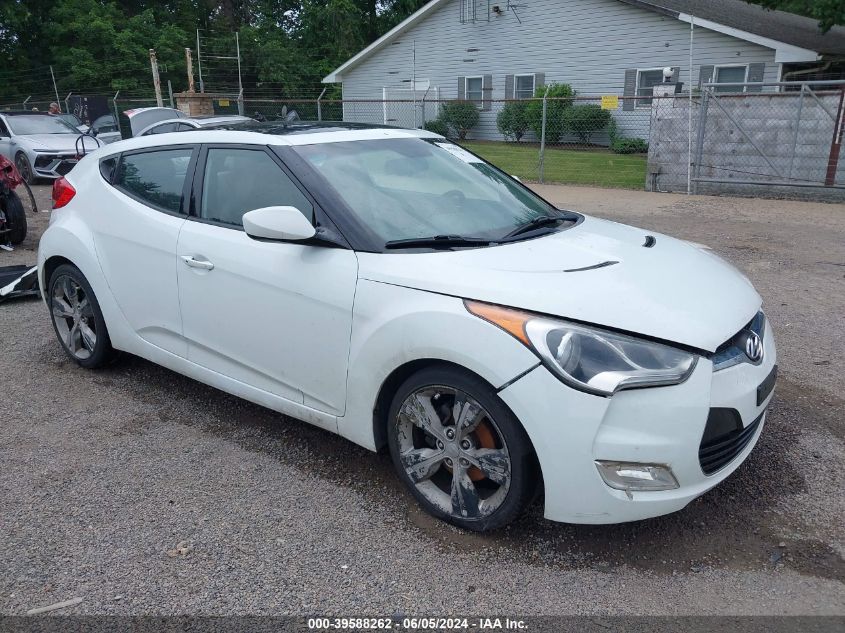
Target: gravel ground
(143,492)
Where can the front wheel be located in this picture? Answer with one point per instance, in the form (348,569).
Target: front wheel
(15,217)
(77,318)
(461,452)
(24,168)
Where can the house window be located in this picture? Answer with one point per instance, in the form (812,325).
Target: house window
(647,78)
(730,75)
(474,90)
(523,86)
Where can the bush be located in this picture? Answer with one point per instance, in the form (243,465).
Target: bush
(438,126)
(511,121)
(559,100)
(585,120)
(629,146)
(460,116)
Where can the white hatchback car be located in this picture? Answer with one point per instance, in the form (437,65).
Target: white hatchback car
(391,287)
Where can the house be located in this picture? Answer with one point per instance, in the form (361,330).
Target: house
(486,50)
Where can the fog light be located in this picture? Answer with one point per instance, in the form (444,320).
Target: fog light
(633,476)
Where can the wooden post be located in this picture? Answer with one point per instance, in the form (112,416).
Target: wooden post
(190,70)
(156,80)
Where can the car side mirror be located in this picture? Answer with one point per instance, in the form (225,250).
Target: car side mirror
(278,223)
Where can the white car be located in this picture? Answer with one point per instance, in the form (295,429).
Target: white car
(391,287)
(42,145)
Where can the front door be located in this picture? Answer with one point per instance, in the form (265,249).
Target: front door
(274,315)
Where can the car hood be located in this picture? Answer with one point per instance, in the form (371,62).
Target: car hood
(597,272)
(55,142)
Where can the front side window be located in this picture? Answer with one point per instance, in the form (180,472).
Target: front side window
(39,124)
(475,90)
(414,188)
(241,180)
(523,87)
(155,178)
(646,81)
(730,75)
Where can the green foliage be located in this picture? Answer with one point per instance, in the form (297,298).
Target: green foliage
(585,120)
(512,121)
(828,12)
(438,126)
(559,99)
(459,116)
(101,46)
(629,146)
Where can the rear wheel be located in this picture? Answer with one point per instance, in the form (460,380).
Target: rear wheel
(15,217)
(25,168)
(77,318)
(459,449)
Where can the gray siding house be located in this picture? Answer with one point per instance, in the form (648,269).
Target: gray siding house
(486,51)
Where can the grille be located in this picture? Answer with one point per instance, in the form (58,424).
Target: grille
(724,438)
(64,167)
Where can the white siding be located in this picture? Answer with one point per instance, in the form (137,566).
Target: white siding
(586,43)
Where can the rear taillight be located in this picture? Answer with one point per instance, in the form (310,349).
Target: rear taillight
(63,192)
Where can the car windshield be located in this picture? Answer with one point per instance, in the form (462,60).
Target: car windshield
(411,188)
(70,119)
(39,124)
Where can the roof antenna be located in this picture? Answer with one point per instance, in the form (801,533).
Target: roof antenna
(512,6)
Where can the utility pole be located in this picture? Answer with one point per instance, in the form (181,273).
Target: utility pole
(240,85)
(190,70)
(56,90)
(199,62)
(156,80)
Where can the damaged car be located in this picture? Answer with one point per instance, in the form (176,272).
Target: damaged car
(389,286)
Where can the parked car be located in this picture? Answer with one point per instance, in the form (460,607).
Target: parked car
(191,123)
(105,128)
(389,286)
(41,145)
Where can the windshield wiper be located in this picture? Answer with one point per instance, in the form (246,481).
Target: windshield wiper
(538,223)
(438,241)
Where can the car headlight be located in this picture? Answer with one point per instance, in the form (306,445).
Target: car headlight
(591,359)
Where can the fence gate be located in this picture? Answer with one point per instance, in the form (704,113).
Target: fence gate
(410,108)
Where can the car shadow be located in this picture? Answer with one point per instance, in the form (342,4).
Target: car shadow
(738,525)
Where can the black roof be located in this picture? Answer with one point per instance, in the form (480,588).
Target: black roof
(777,25)
(295,127)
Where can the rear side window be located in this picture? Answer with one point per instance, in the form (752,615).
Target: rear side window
(107,166)
(241,180)
(155,178)
(164,128)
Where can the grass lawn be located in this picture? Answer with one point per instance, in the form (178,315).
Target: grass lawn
(598,167)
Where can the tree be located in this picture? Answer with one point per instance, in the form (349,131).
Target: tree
(829,13)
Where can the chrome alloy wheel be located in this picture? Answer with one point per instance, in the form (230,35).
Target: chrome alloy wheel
(74,317)
(453,452)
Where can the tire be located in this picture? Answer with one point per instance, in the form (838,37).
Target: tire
(76,315)
(15,217)
(25,168)
(480,473)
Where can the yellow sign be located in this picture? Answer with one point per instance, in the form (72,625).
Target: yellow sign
(609,102)
(225,102)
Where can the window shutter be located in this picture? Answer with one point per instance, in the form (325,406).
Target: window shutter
(676,74)
(462,85)
(705,75)
(630,89)
(755,74)
(486,91)
(539,80)
(509,87)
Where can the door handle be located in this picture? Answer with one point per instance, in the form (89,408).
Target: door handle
(197,263)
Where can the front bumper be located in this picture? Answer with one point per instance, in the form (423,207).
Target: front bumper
(570,430)
(53,164)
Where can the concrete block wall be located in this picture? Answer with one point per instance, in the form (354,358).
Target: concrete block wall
(767,137)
